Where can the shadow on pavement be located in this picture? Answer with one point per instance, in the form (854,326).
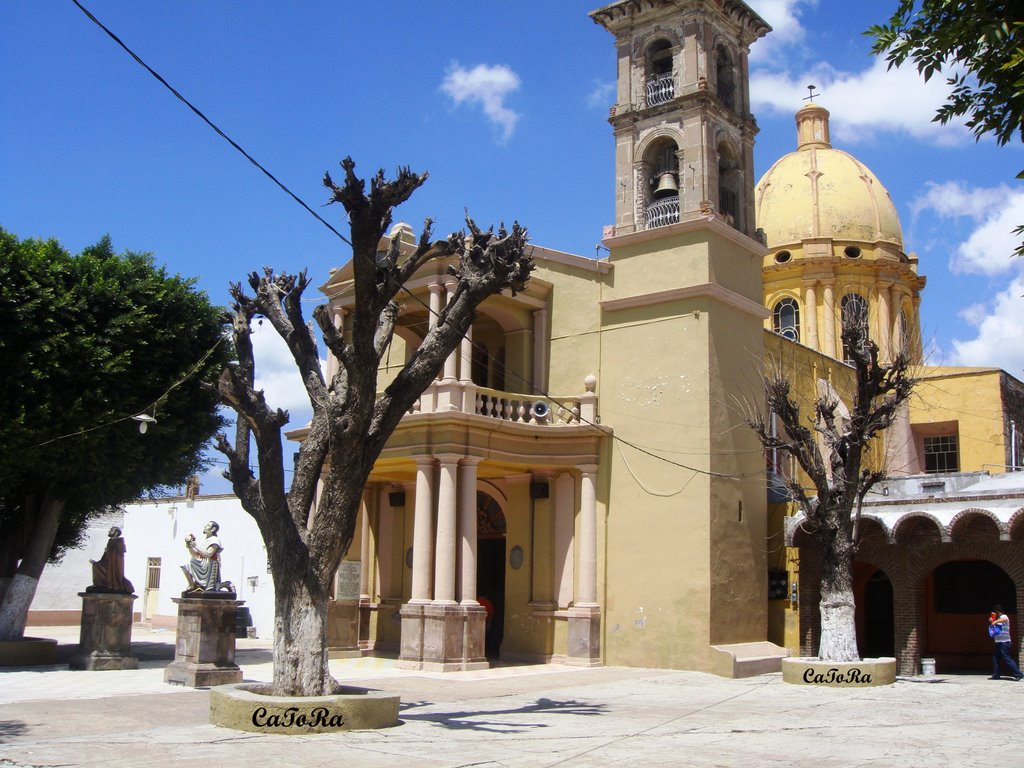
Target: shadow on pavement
(486,720)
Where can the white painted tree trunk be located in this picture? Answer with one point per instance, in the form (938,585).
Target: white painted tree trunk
(838,629)
(14,608)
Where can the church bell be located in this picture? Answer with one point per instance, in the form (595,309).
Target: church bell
(667,186)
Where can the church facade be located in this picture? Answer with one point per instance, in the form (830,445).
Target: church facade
(579,484)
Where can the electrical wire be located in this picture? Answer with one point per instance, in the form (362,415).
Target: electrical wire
(319,218)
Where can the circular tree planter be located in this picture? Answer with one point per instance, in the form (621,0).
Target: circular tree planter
(865,673)
(244,707)
(28,652)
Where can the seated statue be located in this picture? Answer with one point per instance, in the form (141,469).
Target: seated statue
(203,570)
(108,571)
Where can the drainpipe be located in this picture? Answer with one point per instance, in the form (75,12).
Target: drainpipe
(1013,445)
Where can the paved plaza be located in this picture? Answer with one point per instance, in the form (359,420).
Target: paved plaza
(512,716)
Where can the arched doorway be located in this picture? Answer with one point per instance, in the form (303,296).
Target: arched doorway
(958,597)
(876,627)
(490,568)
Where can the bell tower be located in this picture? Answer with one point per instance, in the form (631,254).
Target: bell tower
(684,135)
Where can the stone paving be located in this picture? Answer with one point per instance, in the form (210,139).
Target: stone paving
(514,716)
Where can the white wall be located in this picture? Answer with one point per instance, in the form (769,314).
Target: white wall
(158,529)
(61,582)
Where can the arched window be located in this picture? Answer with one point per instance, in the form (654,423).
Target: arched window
(729,182)
(854,312)
(725,76)
(902,335)
(661,163)
(786,319)
(660,82)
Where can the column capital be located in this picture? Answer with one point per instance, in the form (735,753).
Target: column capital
(587,469)
(449,458)
(435,287)
(470,461)
(423,460)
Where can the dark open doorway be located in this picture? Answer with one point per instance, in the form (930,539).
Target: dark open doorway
(490,569)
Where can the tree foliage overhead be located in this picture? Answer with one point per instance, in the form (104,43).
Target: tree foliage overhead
(985,38)
(984,41)
(87,341)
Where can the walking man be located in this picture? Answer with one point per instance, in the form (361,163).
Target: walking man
(999,629)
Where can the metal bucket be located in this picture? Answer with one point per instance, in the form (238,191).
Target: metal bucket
(927,666)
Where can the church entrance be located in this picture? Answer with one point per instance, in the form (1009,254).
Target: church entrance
(876,627)
(490,569)
(958,597)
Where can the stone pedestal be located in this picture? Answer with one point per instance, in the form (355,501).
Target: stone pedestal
(343,629)
(584,646)
(443,638)
(204,649)
(105,640)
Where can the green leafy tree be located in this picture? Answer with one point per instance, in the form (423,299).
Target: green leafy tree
(88,341)
(982,41)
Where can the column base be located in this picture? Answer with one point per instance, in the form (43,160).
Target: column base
(343,629)
(584,643)
(443,638)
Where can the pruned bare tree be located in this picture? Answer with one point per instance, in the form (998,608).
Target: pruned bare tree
(838,473)
(351,420)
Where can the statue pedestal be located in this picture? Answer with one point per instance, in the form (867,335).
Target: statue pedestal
(105,641)
(204,648)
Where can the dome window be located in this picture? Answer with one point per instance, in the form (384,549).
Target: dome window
(852,252)
(782,257)
(786,319)
(854,312)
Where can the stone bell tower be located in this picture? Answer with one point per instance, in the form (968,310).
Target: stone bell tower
(684,135)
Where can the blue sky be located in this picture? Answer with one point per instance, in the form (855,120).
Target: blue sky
(504,103)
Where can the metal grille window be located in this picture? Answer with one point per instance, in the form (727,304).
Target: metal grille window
(941,454)
(854,311)
(786,319)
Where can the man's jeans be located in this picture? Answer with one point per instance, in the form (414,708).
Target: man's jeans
(1002,653)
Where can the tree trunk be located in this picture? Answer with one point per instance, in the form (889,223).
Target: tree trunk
(838,629)
(17,597)
(300,640)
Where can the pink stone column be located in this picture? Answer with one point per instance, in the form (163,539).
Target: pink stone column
(586,593)
(444,567)
(423,530)
(467,529)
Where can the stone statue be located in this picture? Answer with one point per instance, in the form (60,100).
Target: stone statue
(203,570)
(108,571)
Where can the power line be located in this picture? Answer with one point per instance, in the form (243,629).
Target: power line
(319,218)
(207,120)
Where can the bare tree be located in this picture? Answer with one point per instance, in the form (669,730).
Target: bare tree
(838,474)
(351,420)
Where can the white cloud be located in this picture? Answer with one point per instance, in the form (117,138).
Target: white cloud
(863,104)
(997,343)
(277,375)
(784,18)
(487,86)
(602,95)
(995,210)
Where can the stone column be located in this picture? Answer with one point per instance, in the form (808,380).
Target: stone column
(385,538)
(444,568)
(884,323)
(584,641)
(364,549)
(828,342)
(451,361)
(423,530)
(811,315)
(586,592)
(565,530)
(466,372)
(540,351)
(895,305)
(428,400)
(467,529)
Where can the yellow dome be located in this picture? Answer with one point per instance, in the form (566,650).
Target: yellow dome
(821,192)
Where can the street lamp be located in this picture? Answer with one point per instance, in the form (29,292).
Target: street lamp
(144,420)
